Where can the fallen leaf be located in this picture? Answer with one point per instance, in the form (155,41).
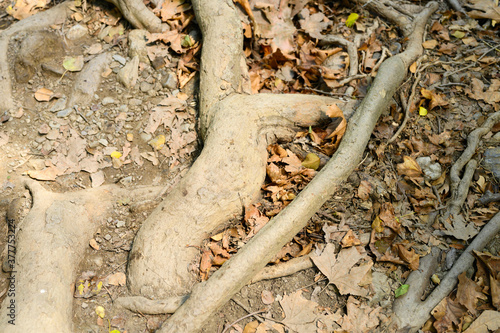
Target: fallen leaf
(409,167)
(340,270)
(117,279)
(402,289)
(49,173)
(311,161)
(468,293)
(44,95)
(483,9)
(73,64)
(488,321)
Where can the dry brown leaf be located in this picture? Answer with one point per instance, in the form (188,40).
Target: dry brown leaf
(488,321)
(340,270)
(25,8)
(365,188)
(409,167)
(435,98)
(468,293)
(117,279)
(44,95)
(360,317)
(49,173)
(409,256)
(350,239)
(484,9)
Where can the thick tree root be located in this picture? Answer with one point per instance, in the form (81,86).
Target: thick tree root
(49,244)
(209,296)
(138,14)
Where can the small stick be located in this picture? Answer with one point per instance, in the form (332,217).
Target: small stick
(407,108)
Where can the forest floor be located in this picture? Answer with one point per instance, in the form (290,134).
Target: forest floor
(146,134)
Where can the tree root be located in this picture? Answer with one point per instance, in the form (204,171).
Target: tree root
(145,305)
(136,12)
(410,312)
(209,296)
(49,244)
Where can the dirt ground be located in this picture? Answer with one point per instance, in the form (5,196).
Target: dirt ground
(116,118)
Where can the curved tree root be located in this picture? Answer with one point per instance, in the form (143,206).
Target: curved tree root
(136,12)
(410,312)
(49,244)
(209,296)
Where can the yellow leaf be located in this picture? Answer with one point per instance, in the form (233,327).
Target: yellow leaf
(99,310)
(311,161)
(116,154)
(351,19)
(413,67)
(458,34)
(158,142)
(73,64)
(422,111)
(377,225)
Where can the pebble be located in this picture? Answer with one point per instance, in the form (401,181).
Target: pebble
(135,101)
(44,129)
(59,105)
(103,142)
(170,82)
(107,237)
(54,124)
(76,32)
(64,113)
(120,59)
(123,108)
(120,224)
(145,136)
(108,100)
(432,171)
(146,86)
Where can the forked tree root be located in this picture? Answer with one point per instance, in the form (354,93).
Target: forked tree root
(50,241)
(410,311)
(207,297)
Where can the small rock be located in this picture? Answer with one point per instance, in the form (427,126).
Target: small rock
(108,100)
(103,142)
(145,86)
(76,32)
(53,134)
(145,137)
(54,124)
(123,108)
(84,305)
(64,113)
(432,171)
(492,161)
(170,81)
(59,105)
(107,237)
(44,129)
(135,101)
(137,45)
(129,73)
(120,224)
(120,59)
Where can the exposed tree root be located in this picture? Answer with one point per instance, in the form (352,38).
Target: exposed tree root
(209,296)
(410,312)
(136,12)
(49,244)
(236,129)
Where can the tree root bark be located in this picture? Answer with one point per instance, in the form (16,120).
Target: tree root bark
(209,296)
(49,245)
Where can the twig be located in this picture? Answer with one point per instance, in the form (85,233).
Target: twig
(244,317)
(489,197)
(407,106)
